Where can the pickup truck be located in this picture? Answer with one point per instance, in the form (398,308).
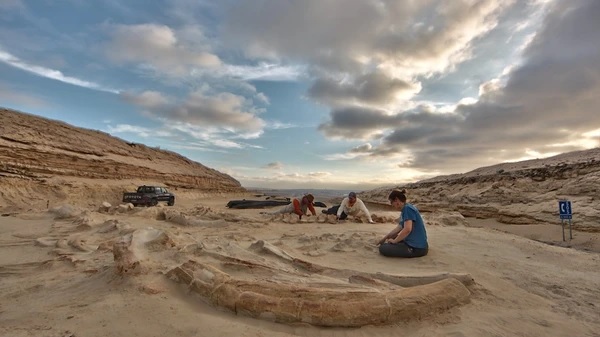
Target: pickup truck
(149,196)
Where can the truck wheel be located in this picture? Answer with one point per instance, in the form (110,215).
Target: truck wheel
(153,202)
(171,201)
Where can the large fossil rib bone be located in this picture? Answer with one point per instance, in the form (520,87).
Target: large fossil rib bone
(401,280)
(368,299)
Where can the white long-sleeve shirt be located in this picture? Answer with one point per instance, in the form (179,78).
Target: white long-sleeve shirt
(359,205)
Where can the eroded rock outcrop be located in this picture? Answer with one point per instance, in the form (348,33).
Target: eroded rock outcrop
(36,152)
(130,251)
(514,193)
(260,280)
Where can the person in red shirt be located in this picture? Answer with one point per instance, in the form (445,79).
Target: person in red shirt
(299,206)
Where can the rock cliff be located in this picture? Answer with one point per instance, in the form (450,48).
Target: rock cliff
(41,157)
(524,192)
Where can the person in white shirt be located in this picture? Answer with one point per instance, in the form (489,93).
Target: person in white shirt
(351,205)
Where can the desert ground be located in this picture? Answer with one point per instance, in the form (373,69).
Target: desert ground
(94,270)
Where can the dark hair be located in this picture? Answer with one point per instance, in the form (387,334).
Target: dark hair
(310,198)
(352,195)
(397,194)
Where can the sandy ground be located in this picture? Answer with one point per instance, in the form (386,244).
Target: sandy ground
(58,278)
(551,234)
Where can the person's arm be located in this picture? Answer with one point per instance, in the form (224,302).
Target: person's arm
(312,208)
(342,207)
(391,234)
(408,225)
(297,208)
(363,208)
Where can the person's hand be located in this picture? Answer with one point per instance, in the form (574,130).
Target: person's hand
(392,241)
(380,242)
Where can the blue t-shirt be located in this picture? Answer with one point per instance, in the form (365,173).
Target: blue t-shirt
(418,236)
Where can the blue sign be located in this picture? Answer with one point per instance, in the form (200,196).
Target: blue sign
(564,209)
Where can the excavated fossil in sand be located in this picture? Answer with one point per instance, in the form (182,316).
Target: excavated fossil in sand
(129,251)
(292,290)
(126,261)
(65,212)
(104,207)
(124,208)
(201,217)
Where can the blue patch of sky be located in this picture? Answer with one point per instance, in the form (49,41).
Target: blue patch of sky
(287,106)
(73,104)
(290,106)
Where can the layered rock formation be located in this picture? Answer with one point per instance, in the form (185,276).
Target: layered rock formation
(40,157)
(524,192)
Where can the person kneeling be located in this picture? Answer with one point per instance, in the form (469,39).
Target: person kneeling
(351,205)
(298,206)
(409,238)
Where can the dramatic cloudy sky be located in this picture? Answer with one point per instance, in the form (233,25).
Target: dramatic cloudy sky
(347,94)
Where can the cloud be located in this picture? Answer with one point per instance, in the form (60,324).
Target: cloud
(325,179)
(274,166)
(146,99)
(370,60)
(161,48)
(263,71)
(262,98)
(362,148)
(555,86)
(489,88)
(127,128)
(201,139)
(225,143)
(358,123)
(341,156)
(291,179)
(214,120)
(221,112)
(372,89)
(547,104)
(415,37)
(57,75)
(276,125)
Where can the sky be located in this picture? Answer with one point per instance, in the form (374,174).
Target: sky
(329,94)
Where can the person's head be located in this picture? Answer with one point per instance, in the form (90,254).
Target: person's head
(309,198)
(397,198)
(352,197)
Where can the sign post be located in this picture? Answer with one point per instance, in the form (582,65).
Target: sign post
(564,209)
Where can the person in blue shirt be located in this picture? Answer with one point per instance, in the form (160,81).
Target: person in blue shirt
(409,238)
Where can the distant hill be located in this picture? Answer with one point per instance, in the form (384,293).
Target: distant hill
(525,192)
(39,156)
(531,165)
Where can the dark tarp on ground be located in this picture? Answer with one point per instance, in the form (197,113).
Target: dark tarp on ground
(242,204)
(255,203)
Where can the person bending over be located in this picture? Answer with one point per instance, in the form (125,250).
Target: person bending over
(351,205)
(409,238)
(299,206)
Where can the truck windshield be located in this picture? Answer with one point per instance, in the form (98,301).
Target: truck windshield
(145,189)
